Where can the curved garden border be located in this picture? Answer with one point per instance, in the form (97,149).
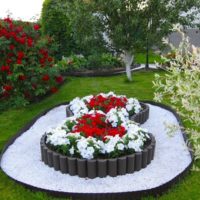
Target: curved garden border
(96,73)
(140,117)
(132,195)
(97,167)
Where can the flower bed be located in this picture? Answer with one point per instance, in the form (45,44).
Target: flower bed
(137,111)
(106,140)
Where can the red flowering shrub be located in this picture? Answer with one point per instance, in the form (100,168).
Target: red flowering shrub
(26,68)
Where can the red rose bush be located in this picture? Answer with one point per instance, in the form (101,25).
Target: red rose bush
(98,135)
(26,67)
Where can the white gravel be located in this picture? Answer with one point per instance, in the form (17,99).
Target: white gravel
(22,159)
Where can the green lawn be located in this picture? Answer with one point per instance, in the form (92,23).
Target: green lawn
(141,87)
(141,58)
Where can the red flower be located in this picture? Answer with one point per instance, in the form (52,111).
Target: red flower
(8,20)
(12,47)
(10,54)
(22,77)
(8,61)
(42,61)
(5,68)
(30,42)
(36,27)
(50,59)
(19,29)
(21,40)
(19,61)
(7,87)
(9,73)
(54,89)
(20,54)
(59,79)
(105,104)
(46,77)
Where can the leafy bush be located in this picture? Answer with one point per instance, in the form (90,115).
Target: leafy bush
(27,69)
(55,23)
(92,62)
(74,28)
(180,86)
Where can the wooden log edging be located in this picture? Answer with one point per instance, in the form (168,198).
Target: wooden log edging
(140,117)
(97,167)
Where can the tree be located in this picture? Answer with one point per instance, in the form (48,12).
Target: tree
(126,22)
(74,26)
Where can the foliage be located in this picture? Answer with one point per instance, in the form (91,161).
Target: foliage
(26,65)
(153,57)
(103,61)
(92,62)
(128,23)
(181,86)
(58,25)
(184,190)
(72,26)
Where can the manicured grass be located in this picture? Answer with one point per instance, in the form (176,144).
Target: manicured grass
(141,87)
(141,58)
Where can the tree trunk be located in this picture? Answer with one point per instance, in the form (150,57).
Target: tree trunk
(128,59)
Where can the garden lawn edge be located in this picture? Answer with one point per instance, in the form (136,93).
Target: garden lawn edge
(107,196)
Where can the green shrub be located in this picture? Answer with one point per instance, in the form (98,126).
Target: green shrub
(72,63)
(73,26)
(55,23)
(103,61)
(92,62)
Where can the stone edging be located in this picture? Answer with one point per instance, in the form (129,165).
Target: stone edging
(97,167)
(140,117)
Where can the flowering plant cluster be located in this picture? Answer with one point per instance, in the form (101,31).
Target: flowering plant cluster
(26,67)
(104,102)
(98,135)
(181,86)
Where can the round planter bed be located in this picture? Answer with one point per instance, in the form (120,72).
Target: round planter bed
(140,117)
(97,167)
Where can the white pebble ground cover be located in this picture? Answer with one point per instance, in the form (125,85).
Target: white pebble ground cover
(22,160)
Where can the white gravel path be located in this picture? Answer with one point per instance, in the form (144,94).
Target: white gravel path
(22,159)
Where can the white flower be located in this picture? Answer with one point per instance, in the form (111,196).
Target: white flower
(87,153)
(120,146)
(71,150)
(133,104)
(129,107)
(82,144)
(102,146)
(87,98)
(135,145)
(57,137)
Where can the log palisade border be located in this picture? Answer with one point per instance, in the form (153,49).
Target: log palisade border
(98,167)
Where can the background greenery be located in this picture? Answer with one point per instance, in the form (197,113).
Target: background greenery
(141,87)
